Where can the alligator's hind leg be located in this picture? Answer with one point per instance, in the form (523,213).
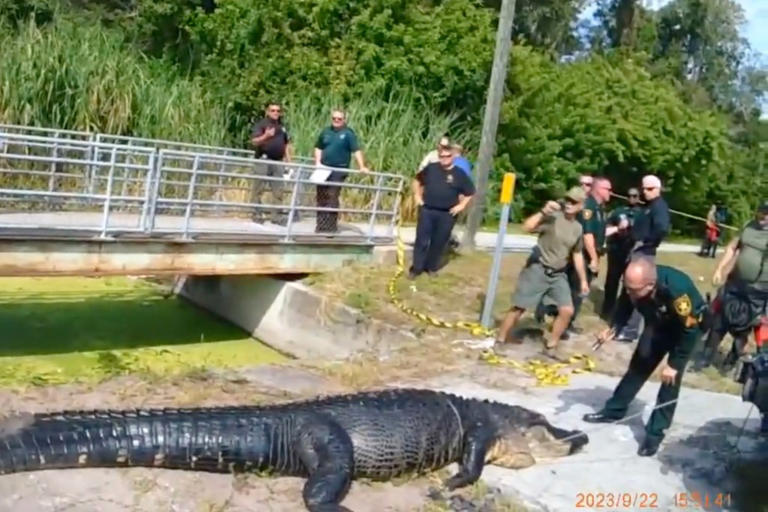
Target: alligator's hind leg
(476,444)
(327,452)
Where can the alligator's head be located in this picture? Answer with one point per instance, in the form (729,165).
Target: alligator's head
(524,437)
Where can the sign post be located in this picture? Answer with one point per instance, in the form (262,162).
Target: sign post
(507,191)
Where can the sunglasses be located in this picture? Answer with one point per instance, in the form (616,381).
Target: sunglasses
(337,118)
(634,196)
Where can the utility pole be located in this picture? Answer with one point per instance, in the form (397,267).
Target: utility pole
(491,118)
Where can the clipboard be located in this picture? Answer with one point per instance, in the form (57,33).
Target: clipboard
(320,175)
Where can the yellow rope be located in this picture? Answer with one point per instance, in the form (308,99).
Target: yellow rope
(547,374)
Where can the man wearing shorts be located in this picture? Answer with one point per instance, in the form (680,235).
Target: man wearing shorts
(561,238)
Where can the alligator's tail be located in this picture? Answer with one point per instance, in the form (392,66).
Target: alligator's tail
(205,440)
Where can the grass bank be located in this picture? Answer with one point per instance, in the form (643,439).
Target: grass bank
(68,329)
(458,293)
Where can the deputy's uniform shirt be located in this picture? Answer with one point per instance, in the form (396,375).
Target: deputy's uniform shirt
(274,147)
(672,310)
(621,241)
(442,187)
(592,218)
(651,226)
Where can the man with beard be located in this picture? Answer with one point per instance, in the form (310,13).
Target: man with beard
(671,306)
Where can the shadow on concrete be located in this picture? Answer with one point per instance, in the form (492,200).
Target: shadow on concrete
(595,398)
(713,468)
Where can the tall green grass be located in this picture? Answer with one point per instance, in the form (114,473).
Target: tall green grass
(84,76)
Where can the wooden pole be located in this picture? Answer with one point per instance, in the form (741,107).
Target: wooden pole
(491,118)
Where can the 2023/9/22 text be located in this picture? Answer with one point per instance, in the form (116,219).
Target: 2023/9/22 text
(613,500)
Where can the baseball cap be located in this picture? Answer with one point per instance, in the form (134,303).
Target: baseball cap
(576,193)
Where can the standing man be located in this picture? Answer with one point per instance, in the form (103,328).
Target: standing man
(545,274)
(441,191)
(650,226)
(619,244)
(671,306)
(271,142)
(335,147)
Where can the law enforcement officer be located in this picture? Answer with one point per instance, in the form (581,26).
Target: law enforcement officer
(335,147)
(271,141)
(671,306)
(442,191)
(618,246)
(743,299)
(650,227)
(545,274)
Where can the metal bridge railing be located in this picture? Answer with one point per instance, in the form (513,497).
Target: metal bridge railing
(75,184)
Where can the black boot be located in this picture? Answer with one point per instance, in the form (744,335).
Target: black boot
(650,446)
(599,417)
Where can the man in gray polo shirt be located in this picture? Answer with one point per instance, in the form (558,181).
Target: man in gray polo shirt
(561,238)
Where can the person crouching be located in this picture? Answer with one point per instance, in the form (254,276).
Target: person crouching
(442,191)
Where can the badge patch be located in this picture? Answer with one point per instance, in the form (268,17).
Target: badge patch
(683,305)
(587,214)
(449,178)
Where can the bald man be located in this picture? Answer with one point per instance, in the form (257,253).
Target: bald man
(671,306)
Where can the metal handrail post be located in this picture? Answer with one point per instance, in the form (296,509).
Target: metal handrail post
(292,208)
(155,191)
(396,209)
(107,200)
(190,197)
(148,190)
(376,196)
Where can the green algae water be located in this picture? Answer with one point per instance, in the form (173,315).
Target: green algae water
(78,329)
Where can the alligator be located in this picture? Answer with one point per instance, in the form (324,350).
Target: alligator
(329,440)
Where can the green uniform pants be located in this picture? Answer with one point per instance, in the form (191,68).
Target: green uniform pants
(646,358)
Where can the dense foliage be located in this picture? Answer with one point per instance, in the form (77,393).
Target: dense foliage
(674,91)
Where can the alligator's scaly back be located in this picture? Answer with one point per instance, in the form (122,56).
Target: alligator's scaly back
(329,440)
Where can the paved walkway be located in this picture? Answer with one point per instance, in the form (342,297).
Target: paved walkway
(514,242)
(693,458)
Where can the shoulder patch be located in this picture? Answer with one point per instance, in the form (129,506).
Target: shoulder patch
(683,305)
(587,213)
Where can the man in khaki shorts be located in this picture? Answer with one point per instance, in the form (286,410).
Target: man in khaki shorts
(560,239)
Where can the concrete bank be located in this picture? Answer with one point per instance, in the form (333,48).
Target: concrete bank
(291,317)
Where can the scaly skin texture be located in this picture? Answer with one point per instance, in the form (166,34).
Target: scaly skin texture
(330,440)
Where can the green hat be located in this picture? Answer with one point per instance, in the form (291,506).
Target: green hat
(577,194)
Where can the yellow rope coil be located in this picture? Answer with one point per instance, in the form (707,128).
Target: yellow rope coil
(546,374)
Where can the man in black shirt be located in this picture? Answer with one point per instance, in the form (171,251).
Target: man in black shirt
(650,226)
(272,142)
(442,191)
(652,223)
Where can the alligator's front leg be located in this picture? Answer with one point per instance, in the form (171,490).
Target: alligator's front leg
(326,451)
(476,444)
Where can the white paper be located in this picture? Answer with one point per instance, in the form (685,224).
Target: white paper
(320,175)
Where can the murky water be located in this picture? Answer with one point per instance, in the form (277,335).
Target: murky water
(63,329)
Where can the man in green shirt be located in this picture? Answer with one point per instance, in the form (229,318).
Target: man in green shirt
(672,308)
(334,148)
(560,242)
(592,219)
